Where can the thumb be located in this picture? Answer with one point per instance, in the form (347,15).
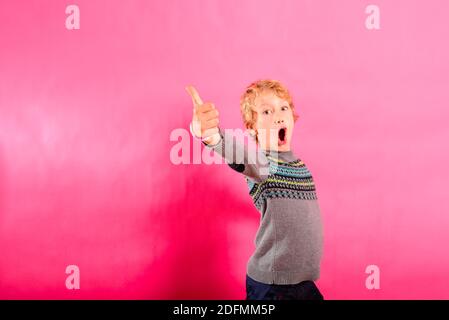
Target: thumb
(196,99)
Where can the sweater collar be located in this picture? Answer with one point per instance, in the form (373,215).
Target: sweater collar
(282,155)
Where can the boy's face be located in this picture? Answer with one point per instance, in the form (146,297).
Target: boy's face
(274,122)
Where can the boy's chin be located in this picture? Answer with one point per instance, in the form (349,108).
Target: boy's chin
(284,147)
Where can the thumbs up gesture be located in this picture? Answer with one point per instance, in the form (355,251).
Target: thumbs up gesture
(205,118)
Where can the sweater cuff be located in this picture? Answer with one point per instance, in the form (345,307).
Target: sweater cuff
(219,143)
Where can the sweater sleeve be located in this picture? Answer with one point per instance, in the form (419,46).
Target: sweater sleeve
(251,162)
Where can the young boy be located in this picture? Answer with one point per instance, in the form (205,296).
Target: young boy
(286,261)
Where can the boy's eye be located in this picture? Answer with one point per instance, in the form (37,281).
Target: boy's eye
(266,112)
(284,108)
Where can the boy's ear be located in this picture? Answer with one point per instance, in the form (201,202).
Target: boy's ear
(252,132)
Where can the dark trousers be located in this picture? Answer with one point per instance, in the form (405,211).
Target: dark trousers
(305,290)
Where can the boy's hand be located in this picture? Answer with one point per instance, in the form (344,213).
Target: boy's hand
(205,118)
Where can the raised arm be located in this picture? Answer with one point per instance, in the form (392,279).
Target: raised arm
(204,125)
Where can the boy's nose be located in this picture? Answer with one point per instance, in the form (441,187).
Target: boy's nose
(279,121)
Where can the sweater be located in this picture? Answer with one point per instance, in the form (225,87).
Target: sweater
(289,240)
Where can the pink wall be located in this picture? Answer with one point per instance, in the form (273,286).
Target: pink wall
(86,116)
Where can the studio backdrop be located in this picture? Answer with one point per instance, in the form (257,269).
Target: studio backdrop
(97,201)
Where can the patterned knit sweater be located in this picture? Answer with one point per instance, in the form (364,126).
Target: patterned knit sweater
(289,239)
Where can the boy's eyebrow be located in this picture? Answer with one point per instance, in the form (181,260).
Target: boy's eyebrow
(269,105)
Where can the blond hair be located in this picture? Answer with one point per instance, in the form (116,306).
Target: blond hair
(247,100)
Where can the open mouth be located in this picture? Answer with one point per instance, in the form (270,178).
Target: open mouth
(282,136)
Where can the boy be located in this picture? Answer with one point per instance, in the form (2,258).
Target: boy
(286,261)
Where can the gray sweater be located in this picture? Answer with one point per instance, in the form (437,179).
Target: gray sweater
(289,239)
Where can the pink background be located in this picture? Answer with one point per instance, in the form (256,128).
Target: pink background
(86,116)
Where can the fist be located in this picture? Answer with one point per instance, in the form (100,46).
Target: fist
(205,118)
